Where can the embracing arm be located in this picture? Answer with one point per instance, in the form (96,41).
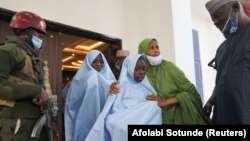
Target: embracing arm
(163,102)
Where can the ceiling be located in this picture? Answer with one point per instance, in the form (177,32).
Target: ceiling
(75,49)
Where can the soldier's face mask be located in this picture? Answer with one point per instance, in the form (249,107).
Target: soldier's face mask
(37,42)
(231,25)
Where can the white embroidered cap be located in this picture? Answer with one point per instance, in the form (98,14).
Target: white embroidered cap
(122,53)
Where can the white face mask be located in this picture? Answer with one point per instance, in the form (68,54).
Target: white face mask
(154,60)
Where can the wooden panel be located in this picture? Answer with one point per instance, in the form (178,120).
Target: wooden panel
(52,52)
(4,30)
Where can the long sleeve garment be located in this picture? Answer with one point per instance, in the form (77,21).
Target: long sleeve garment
(232,91)
(12,59)
(169,81)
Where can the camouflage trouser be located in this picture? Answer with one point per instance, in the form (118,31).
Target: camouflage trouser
(8,127)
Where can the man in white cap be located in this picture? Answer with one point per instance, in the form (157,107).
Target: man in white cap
(231,94)
(120,56)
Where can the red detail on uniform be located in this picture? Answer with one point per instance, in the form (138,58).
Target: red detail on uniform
(24,19)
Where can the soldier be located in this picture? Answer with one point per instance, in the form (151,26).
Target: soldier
(22,92)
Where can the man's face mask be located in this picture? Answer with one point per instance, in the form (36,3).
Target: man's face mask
(37,42)
(231,26)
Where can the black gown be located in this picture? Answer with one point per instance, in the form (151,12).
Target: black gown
(232,89)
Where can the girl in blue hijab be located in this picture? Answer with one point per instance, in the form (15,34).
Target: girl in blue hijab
(86,96)
(129,106)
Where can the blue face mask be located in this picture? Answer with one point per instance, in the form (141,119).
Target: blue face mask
(231,26)
(37,43)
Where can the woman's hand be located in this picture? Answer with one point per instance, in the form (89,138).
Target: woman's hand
(113,89)
(162,102)
(156,98)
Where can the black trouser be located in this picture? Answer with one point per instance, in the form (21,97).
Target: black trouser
(8,126)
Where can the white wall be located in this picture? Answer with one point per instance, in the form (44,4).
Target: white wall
(86,14)
(132,20)
(183,41)
(129,20)
(155,18)
(209,38)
